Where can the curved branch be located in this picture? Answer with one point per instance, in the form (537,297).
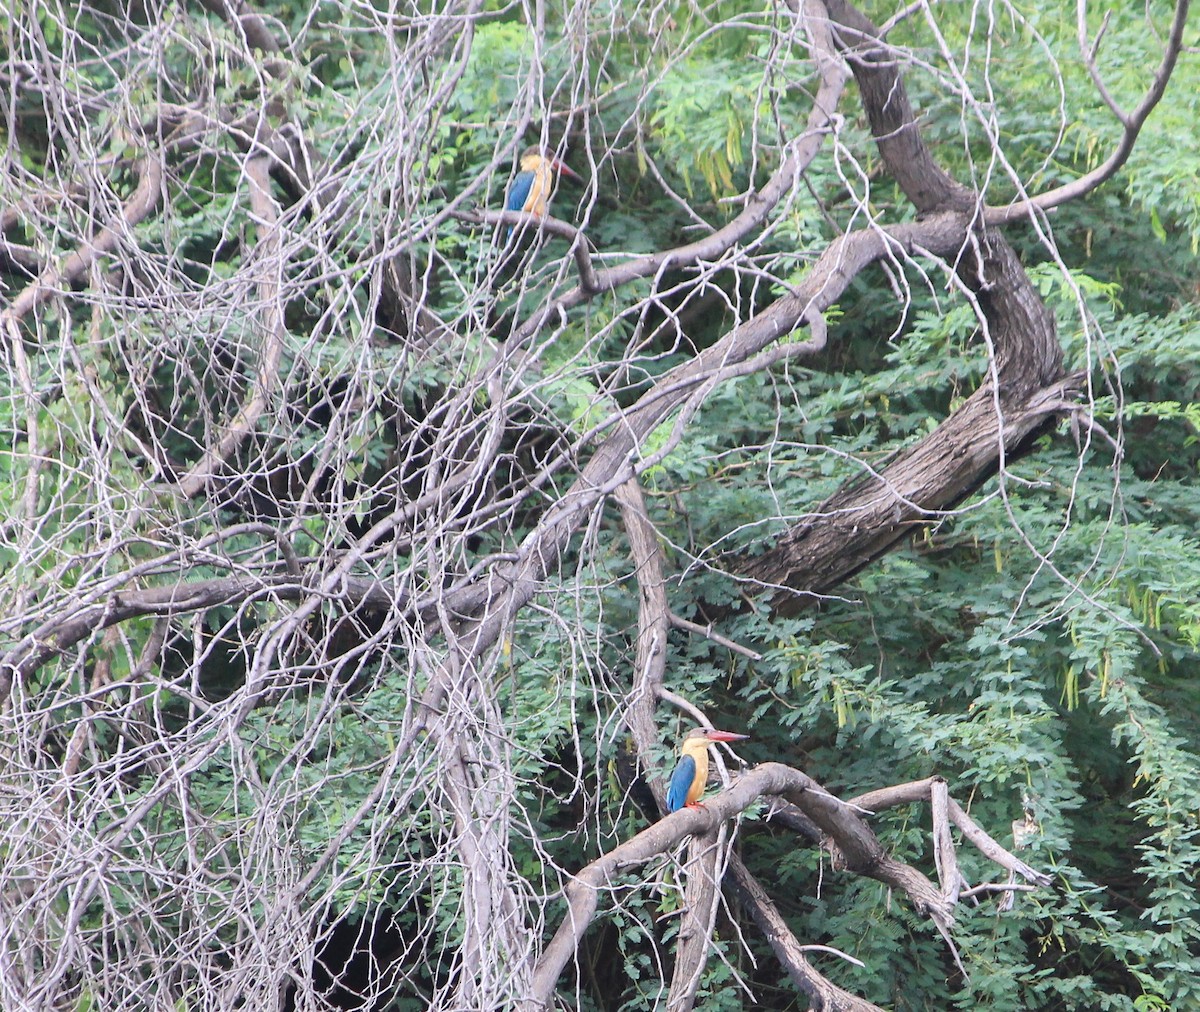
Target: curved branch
(612,463)
(893,123)
(524,220)
(865,518)
(57,276)
(270,245)
(1132,124)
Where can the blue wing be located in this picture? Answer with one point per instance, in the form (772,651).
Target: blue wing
(519,192)
(681,781)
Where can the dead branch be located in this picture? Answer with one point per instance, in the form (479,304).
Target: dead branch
(57,277)
(944,858)
(707,856)
(708,632)
(653,625)
(522,222)
(991,849)
(61,632)
(922,790)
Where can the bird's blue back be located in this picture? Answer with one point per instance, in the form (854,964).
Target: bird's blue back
(681,781)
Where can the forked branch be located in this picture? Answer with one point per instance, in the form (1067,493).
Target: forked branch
(1131,122)
(854,844)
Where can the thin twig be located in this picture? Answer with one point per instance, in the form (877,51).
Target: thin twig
(707,631)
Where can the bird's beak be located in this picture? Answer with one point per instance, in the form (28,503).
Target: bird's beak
(726,736)
(564,169)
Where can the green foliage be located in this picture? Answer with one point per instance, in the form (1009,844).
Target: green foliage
(1037,648)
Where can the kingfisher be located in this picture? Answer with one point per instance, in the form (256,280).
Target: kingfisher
(530,191)
(691,775)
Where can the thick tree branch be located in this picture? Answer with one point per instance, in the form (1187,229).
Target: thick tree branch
(867,517)
(650,663)
(893,123)
(705,867)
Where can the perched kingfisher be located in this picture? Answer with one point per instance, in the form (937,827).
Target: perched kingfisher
(690,776)
(531,189)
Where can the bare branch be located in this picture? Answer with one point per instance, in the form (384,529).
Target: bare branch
(75,267)
(943,845)
(921,790)
(705,867)
(708,632)
(525,223)
(858,849)
(991,849)
(61,632)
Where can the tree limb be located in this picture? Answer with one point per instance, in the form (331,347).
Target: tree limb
(868,515)
(706,858)
(57,276)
